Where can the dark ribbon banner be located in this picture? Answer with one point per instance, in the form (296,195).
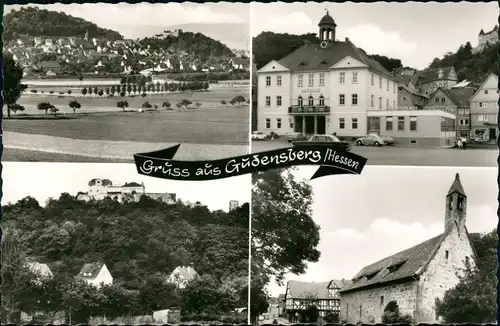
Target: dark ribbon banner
(332,161)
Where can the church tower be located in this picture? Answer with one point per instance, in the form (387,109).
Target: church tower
(327,28)
(456,204)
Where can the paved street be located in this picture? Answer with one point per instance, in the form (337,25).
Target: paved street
(394,155)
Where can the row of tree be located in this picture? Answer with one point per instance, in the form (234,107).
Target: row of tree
(140,242)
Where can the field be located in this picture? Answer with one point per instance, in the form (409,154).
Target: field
(226,125)
(100,131)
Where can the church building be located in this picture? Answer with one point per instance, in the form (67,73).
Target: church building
(323,87)
(415,277)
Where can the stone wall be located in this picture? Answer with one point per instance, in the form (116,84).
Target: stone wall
(367,306)
(441,273)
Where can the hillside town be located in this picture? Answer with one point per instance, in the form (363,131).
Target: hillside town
(84,55)
(333,87)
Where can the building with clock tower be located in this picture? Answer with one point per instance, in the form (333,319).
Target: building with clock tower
(332,86)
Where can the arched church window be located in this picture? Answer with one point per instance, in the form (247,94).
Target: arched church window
(321,100)
(300,101)
(450,201)
(311,100)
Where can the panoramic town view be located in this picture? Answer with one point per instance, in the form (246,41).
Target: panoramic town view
(397,97)
(388,259)
(90,88)
(107,246)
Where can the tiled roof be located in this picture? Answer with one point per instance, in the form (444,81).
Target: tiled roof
(89,271)
(401,265)
(131,184)
(312,56)
(49,64)
(460,96)
(430,75)
(318,290)
(456,186)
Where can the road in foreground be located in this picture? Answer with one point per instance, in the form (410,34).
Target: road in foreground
(394,155)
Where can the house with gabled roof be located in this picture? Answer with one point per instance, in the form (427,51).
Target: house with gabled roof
(182,275)
(414,277)
(302,295)
(428,80)
(96,274)
(323,87)
(484,110)
(456,101)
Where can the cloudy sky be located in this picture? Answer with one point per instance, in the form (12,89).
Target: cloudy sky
(45,180)
(388,209)
(145,19)
(414,32)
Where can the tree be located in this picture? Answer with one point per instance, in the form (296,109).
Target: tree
(74,105)
(45,106)
(70,91)
(96,91)
(157,294)
(122,104)
(17,108)
(146,105)
(311,314)
(223,102)
(54,110)
(18,286)
(259,300)
(100,92)
(185,103)
(108,91)
(198,104)
(166,105)
(12,74)
(205,296)
(279,200)
(84,91)
(238,99)
(473,299)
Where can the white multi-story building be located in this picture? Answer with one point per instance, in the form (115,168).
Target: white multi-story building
(328,86)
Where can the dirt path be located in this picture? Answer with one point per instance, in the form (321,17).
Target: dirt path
(115,149)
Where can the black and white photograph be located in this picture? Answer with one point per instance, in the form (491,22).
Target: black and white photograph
(393,245)
(96,243)
(373,79)
(100,82)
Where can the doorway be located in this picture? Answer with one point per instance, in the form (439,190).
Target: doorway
(493,134)
(321,124)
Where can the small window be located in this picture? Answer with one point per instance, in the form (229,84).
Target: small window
(268,80)
(354,123)
(460,203)
(413,141)
(268,123)
(447,254)
(311,101)
(381,300)
(278,123)
(278,100)
(278,80)
(300,101)
(485,91)
(268,100)
(341,123)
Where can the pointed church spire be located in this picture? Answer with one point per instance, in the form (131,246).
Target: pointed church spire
(456,187)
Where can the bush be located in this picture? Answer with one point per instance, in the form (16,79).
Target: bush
(51,92)
(69,91)
(34,91)
(392,315)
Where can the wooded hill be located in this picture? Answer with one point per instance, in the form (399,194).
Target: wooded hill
(33,21)
(475,67)
(140,243)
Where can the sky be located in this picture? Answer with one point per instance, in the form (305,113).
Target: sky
(45,180)
(414,32)
(386,210)
(145,19)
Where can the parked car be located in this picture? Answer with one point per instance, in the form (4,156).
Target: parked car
(388,140)
(293,136)
(372,140)
(258,135)
(329,140)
